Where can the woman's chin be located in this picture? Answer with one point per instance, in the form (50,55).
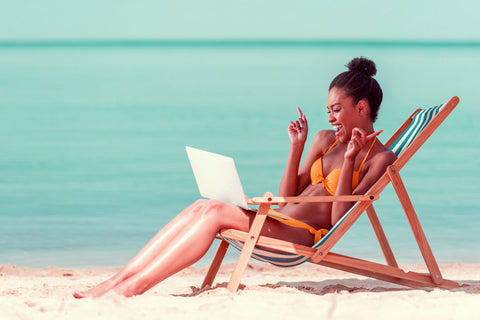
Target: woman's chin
(342,138)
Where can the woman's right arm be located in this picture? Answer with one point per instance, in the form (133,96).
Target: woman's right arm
(297,133)
(289,182)
(295,180)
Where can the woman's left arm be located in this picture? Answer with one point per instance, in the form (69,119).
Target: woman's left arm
(374,172)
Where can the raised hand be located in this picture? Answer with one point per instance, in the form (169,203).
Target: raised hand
(298,130)
(358,140)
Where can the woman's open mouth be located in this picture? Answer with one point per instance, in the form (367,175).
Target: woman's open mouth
(338,128)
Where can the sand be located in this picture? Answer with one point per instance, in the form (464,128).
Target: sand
(269,292)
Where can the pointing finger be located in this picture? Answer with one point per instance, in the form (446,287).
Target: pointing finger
(373,135)
(300,113)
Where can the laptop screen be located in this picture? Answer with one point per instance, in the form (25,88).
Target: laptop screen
(217,177)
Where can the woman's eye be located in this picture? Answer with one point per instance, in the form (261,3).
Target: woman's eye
(333,111)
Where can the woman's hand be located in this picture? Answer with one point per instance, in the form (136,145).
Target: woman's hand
(298,130)
(358,140)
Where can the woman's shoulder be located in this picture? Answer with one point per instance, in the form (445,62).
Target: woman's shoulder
(325,137)
(321,142)
(384,156)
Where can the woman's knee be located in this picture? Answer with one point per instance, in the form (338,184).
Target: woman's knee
(206,208)
(219,214)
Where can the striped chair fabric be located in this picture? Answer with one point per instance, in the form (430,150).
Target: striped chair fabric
(419,122)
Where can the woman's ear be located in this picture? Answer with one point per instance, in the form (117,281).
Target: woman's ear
(363,107)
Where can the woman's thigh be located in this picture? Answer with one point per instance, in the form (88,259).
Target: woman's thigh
(230,216)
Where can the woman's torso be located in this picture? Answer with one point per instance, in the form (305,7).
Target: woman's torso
(318,215)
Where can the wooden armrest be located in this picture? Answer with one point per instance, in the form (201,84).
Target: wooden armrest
(277,200)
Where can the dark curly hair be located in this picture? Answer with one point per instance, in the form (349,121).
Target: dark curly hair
(358,82)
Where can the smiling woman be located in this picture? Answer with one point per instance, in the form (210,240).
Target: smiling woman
(345,161)
(189,235)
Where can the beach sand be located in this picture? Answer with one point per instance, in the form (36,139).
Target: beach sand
(293,293)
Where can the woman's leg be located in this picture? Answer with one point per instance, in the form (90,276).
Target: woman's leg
(183,251)
(183,225)
(149,251)
(183,242)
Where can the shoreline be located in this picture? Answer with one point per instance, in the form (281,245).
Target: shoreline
(282,292)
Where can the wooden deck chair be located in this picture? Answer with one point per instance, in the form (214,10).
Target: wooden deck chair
(404,143)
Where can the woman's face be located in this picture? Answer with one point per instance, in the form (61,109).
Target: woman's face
(343,114)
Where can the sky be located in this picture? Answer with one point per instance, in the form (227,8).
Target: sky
(437,20)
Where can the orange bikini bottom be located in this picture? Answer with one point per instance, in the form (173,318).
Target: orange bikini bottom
(318,234)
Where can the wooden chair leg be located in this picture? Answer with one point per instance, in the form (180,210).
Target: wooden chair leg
(215,265)
(382,239)
(248,247)
(384,272)
(415,225)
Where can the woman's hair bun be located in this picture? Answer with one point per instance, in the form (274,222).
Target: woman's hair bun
(363,65)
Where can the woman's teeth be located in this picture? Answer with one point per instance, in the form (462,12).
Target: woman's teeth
(337,128)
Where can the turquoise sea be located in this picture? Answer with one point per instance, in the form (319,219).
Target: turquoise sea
(92,137)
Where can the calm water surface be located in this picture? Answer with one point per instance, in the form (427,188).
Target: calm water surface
(92,141)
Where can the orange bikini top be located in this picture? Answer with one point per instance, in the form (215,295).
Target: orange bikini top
(331,181)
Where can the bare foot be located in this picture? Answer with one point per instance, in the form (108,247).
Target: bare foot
(97,291)
(123,290)
(131,287)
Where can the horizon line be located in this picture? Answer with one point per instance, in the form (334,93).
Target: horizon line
(233,42)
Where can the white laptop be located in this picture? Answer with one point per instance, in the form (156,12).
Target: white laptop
(217,177)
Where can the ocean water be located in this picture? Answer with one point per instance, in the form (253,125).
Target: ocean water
(92,140)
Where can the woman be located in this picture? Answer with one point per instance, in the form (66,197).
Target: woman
(343,161)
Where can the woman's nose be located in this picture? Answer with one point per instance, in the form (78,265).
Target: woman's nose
(331,118)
